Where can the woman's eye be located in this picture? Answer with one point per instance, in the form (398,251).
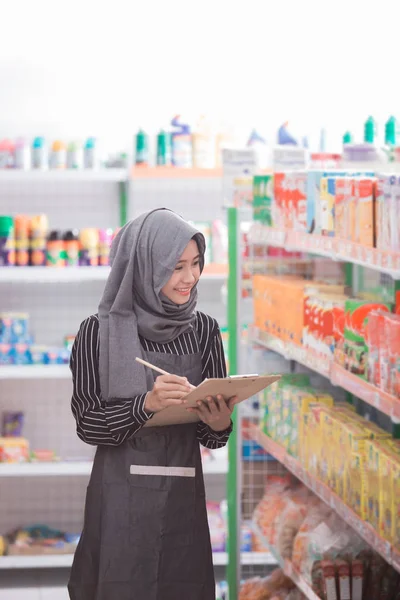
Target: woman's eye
(178,268)
(196,263)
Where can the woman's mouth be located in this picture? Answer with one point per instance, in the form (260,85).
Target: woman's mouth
(183,291)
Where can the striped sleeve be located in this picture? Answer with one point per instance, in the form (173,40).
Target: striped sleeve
(214,365)
(98,422)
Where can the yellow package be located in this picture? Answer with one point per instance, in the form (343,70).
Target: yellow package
(396,504)
(354,447)
(389,458)
(372,482)
(300,405)
(313,441)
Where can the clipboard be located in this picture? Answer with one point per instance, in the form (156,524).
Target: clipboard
(242,386)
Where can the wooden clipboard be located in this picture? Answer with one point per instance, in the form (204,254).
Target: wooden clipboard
(242,386)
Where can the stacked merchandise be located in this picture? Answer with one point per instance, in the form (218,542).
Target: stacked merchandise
(14,448)
(274,587)
(27,241)
(320,548)
(217,521)
(17,345)
(357,460)
(360,335)
(37,540)
(41,155)
(350,206)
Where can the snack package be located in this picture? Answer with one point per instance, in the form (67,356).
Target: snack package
(290,521)
(317,515)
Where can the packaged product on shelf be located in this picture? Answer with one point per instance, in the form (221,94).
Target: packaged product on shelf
(7,242)
(90,158)
(317,515)
(290,200)
(105,240)
(290,520)
(375,323)
(182,154)
(14,328)
(58,155)
(71,248)
(13,423)
(262,199)
(75,155)
(343,197)
(164,149)
(14,449)
(364,193)
(7,153)
(141,149)
(38,243)
(327,199)
(38,540)
(89,243)
(276,585)
(355,348)
(22,154)
(394,354)
(38,354)
(22,235)
(203,144)
(217,527)
(389,463)
(40,156)
(55,255)
(395,205)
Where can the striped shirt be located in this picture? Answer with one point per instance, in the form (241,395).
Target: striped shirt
(101,423)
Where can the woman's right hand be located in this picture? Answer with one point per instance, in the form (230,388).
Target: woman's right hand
(168,390)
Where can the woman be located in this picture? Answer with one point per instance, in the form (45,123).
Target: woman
(145,534)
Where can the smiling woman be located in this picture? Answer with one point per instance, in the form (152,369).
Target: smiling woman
(146,531)
(185,276)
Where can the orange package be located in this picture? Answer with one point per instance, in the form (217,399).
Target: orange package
(364,192)
(393,330)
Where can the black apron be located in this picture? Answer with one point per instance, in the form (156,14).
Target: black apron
(145,534)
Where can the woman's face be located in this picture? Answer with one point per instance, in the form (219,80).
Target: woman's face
(185,275)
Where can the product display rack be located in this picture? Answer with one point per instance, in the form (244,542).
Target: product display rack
(101,198)
(384,262)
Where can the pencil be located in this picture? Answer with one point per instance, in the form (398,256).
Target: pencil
(157,369)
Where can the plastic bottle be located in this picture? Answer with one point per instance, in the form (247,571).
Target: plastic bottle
(164,149)
(390,131)
(55,256)
(7,152)
(347,138)
(89,245)
(203,146)
(58,155)
(182,155)
(370,130)
(71,248)
(7,242)
(40,155)
(142,149)
(22,154)
(38,243)
(22,233)
(105,239)
(75,155)
(90,160)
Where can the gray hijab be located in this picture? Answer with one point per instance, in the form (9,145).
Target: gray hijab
(143,257)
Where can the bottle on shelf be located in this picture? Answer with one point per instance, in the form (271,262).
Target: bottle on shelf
(22,155)
(58,155)
(75,155)
(164,149)
(22,235)
(89,247)
(40,155)
(55,255)
(90,160)
(7,241)
(71,248)
(182,154)
(142,149)
(39,228)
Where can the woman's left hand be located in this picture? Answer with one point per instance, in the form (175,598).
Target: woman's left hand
(215,412)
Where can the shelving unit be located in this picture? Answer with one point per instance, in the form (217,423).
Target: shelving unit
(58,300)
(329,247)
(389,405)
(220,559)
(330,498)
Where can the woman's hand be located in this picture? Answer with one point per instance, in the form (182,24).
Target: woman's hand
(215,412)
(168,390)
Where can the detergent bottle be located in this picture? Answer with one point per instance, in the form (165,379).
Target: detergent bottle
(182,155)
(40,155)
(203,146)
(164,149)
(90,160)
(142,149)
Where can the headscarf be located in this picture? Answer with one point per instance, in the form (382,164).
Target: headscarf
(143,257)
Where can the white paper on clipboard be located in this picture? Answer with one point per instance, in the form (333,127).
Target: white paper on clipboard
(242,386)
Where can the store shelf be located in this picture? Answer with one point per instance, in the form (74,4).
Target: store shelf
(390,405)
(174,173)
(287,567)
(52,275)
(83,274)
(291,351)
(216,466)
(65,560)
(46,469)
(35,372)
(363,529)
(100,175)
(330,247)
